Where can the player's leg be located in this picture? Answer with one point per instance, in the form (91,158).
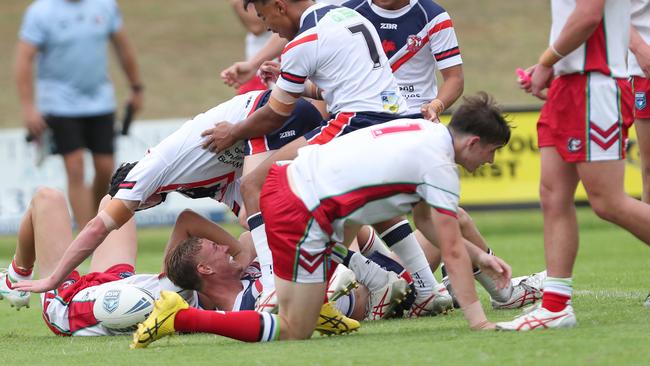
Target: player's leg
(299,307)
(399,237)
(559,181)
(45,232)
(99,137)
(119,247)
(642,126)
(603,182)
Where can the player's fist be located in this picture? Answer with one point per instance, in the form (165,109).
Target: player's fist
(238,73)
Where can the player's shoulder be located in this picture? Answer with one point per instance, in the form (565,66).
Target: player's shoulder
(430,8)
(355,4)
(39,8)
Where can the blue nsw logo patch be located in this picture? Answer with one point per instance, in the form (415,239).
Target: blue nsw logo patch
(640,100)
(111,300)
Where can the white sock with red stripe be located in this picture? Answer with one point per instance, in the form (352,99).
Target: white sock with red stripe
(16,274)
(401,240)
(373,244)
(256,224)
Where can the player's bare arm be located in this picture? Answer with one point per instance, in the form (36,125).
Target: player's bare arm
(242,71)
(449,92)
(582,22)
(112,217)
(444,229)
(191,224)
(264,120)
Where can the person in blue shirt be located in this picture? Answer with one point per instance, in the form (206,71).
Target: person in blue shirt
(63,84)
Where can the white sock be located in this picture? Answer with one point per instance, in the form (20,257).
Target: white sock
(401,240)
(373,244)
(264,257)
(346,303)
(368,273)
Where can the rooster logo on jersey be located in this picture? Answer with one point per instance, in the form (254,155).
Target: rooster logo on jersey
(413,43)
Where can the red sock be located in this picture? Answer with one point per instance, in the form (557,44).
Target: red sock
(552,301)
(20,270)
(241,325)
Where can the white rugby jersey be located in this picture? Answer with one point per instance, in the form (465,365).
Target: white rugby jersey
(417,39)
(641,22)
(395,165)
(606,50)
(180,164)
(58,312)
(340,51)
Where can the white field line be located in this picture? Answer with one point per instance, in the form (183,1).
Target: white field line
(613,294)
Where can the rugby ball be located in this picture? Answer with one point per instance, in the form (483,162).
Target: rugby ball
(122,306)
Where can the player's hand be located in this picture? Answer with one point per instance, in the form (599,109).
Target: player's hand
(34,122)
(524,80)
(218,138)
(40,285)
(541,78)
(238,73)
(429,112)
(269,72)
(496,268)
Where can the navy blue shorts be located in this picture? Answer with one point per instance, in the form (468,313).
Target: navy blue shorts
(304,118)
(346,122)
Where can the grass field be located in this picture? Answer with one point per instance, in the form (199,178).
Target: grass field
(183,45)
(610,282)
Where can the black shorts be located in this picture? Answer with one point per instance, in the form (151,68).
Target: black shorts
(93,132)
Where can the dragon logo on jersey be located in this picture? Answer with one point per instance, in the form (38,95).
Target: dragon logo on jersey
(413,43)
(640,100)
(111,300)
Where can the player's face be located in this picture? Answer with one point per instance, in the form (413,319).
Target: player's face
(391,4)
(217,257)
(479,154)
(274,15)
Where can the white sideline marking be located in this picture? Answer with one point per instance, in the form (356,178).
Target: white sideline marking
(608,294)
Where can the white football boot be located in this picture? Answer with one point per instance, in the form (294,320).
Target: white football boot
(343,281)
(526,290)
(384,301)
(541,318)
(647,302)
(16,299)
(439,302)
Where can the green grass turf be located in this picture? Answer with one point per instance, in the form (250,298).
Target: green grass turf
(611,280)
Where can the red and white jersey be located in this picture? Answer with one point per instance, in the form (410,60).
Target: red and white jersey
(340,51)
(417,39)
(641,22)
(606,50)
(58,312)
(395,165)
(180,164)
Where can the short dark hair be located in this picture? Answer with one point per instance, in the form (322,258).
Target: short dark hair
(180,264)
(479,115)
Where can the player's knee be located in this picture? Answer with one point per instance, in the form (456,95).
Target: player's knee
(603,208)
(186,214)
(464,219)
(48,196)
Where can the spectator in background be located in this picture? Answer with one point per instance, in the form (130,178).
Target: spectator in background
(256,37)
(74,95)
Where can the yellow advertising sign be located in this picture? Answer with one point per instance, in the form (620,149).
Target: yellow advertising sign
(513,179)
